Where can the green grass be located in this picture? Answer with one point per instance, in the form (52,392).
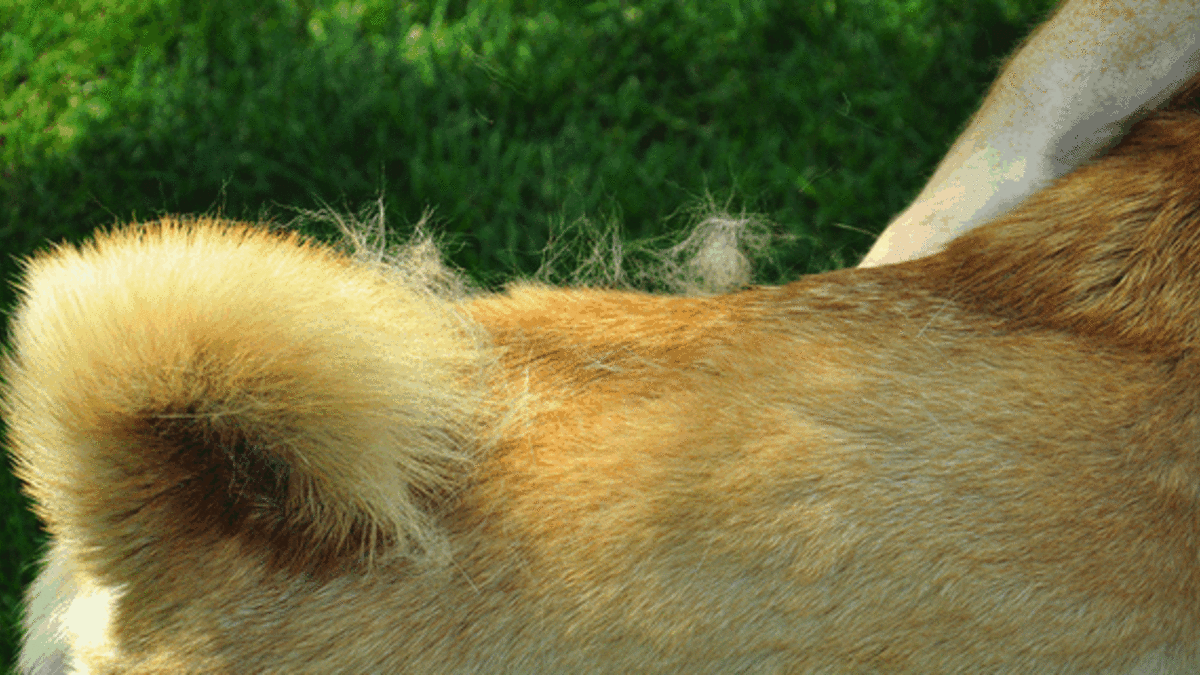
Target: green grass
(505,116)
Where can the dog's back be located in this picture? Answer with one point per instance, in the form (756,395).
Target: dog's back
(982,461)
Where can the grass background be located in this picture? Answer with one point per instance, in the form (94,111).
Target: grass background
(505,116)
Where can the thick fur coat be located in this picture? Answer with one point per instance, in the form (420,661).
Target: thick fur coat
(257,455)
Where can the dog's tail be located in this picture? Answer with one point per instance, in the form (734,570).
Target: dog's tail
(187,383)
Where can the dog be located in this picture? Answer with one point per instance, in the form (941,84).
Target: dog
(255,454)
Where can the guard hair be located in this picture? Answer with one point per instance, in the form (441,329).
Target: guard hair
(718,253)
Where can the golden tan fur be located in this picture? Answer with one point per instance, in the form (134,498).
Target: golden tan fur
(258,456)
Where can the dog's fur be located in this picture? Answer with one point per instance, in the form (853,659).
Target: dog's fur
(257,455)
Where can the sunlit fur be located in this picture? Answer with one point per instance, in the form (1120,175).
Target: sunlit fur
(258,455)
